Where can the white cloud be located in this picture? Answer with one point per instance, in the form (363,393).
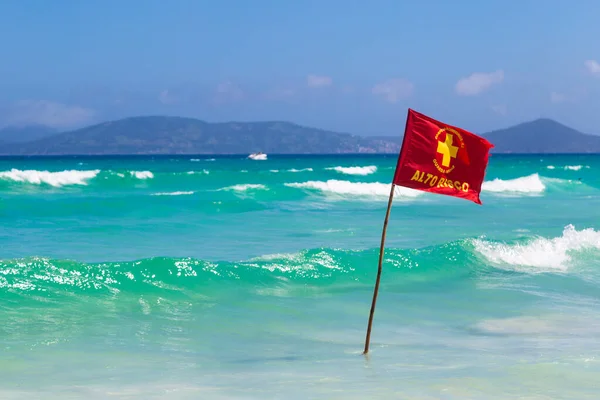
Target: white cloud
(318,81)
(478,82)
(47,113)
(593,67)
(393,89)
(228,92)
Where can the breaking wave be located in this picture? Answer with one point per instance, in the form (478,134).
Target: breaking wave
(573,167)
(569,167)
(300,170)
(169,181)
(173,193)
(337,187)
(540,254)
(371,169)
(531,184)
(56,179)
(463,259)
(244,187)
(142,174)
(64,178)
(527,185)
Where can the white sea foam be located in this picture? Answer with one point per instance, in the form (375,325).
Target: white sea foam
(371,169)
(300,170)
(526,185)
(338,187)
(245,187)
(573,167)
(531,184)
(56,179)
(570,167)
(278,256)
(142,174)
(540,254)
(172,193)
(204,171)
(296,261)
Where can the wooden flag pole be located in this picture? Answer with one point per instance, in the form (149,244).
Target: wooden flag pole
(375,292)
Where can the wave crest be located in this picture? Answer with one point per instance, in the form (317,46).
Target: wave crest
(570,167)
(179,193)
(245,187)
(300,170)
(56,179)
(540,254)
(531,184)
(323,267)
(371,169)
(337,187)
(142,174)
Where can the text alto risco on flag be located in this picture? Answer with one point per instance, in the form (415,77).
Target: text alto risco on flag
(440,158)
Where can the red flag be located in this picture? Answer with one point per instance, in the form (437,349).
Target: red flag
(439,158)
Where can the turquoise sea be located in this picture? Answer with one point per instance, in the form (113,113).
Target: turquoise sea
(226,278)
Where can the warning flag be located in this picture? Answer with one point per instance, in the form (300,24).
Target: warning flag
(439,158)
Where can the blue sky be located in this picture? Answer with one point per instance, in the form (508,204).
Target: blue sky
(352,66)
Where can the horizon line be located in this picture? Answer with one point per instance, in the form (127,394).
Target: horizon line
(245,155)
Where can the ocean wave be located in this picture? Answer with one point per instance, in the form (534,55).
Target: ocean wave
(81,177)
(245,187)
(573,167)
(264,275)
(337,187)
(142,174)
(56,179)
(133,174)
(458,260)
(300,170)
(526,185)
(570,167)
(368,170)
(531,184)
(179,193)
(540,254)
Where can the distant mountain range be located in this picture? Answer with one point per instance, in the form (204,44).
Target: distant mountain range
(177,135)
(25,134)
(543,136)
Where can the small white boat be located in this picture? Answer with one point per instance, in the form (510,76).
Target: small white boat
(258,156)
